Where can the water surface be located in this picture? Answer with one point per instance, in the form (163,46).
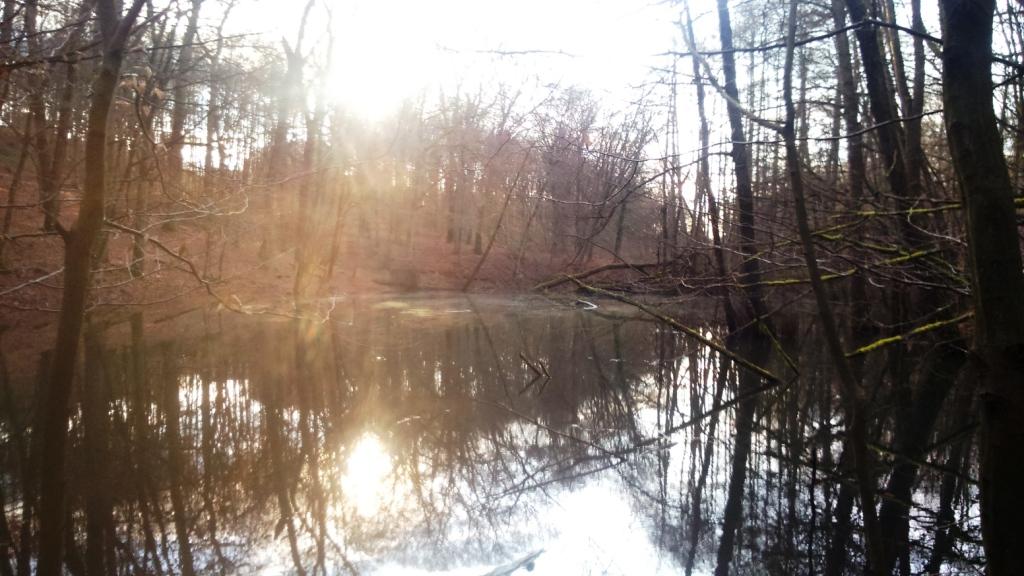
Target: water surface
(413,435)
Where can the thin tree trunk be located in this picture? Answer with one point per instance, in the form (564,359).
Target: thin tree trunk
(11,8)
(6,547)
(849,386)
(276,446)
(209,436)
(12,192)
(179,113)
(37,106)
(176,464)
(8,552)
(54,176)
(697,496)
(753,341)
(957,461)
(96,439)
(497,227)
(140,417)
(910,444)
(704,179)
(880,98)
(526,235)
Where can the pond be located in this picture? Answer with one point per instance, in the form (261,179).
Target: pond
(421,434)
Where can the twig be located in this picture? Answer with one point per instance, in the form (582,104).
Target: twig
(31,282)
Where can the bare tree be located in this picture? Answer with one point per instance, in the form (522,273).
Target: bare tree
(115,30)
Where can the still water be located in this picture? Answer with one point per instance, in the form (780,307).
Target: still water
(417,435)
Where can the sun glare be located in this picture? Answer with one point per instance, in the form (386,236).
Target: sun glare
(367,470)
(379,58)
(386,52)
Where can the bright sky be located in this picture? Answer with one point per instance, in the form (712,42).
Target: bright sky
(389,50)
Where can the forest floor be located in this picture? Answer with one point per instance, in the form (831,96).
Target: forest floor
(244,278)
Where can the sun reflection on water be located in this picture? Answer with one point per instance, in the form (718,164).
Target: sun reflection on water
(368,467)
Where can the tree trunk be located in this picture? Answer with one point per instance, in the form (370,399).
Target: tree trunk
(880,98)
(957,463)
(176,463)
(703,183)
(850,392)
(697,496)
(37,108)
(752,342)
(995,265)
(53,171)
(77,273)
(95,421)
(141,460)
(12,192)
(179,114)
(911,442)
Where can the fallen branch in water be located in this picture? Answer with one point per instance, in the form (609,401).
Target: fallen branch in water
(695,334)
(587,273)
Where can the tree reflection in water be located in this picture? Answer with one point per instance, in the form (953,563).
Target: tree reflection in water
(416,435)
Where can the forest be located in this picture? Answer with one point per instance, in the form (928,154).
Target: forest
(284,292)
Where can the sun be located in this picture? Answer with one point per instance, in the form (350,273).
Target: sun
(385,52)
(368,468)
